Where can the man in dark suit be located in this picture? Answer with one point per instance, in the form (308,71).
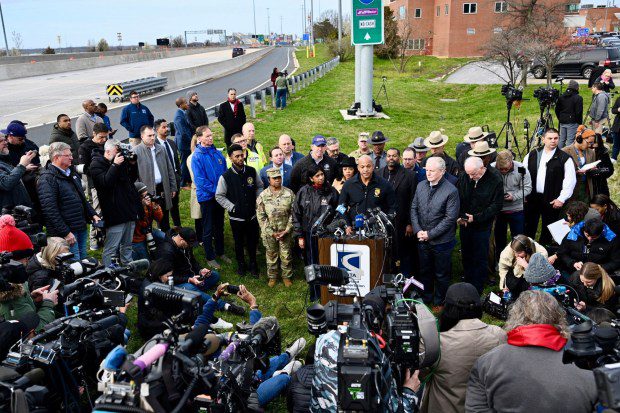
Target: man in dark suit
(231,116)
(276,155)
(404,183)
(172,151)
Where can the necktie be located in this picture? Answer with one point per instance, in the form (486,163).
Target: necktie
(169,152)
(377,162)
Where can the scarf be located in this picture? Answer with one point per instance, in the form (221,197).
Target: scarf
(537,335)
(236,106)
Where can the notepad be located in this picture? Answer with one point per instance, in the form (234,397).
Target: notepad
(558,230)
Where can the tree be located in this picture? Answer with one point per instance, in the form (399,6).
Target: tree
(103,46)
(346,52)
(49,50)
(325,30)
(178,41)
(504,49)
(389,49)
(17,42)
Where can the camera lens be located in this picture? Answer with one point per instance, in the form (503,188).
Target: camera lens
(317,323)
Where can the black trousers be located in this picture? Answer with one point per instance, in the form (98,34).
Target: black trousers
(535,209)
(172,212)
(245,234)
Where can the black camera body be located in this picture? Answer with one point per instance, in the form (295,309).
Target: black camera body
(511,93)
(126,150)
(547,96)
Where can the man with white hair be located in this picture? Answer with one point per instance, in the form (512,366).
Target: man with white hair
(434,211)
(482,197)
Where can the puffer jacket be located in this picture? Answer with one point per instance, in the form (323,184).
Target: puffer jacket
(64,205)
(591,295)
(603,250)
(208,164)
(37,275)
(435,210)
(12,190)
(309,205)
(299,392)
(86,153)
(17,302)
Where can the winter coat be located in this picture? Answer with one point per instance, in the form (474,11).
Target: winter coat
(590,157)
(435,210)
(404,183)
(149,214)
(591,295)
(183,260)
(118,197)
(359,198)
(452,166)
(194,205)
(232,124)
(606,86)
(599,107)
(17,302)
(460,348)
(207,165)
(603,171)
(84,125)
(196,116)
(184,132)
(527,375)
(12,190)
(86,153)
(38,276)
(309,205)
(299,394)
(17,151)
(147,174)
(63,203)
(516,184)
(67,136)
(508,262)
(298,174)
(569,108)
(603,250)
(615,127)
(483,199)
(133,117)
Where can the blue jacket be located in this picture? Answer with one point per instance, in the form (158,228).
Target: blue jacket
(286,179)
(133,117)
(208,312)
(183,135)
(208,164)
(295,157)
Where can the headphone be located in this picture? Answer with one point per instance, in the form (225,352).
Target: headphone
(579,137)
(527,249)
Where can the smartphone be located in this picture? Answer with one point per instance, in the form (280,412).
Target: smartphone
(54,286)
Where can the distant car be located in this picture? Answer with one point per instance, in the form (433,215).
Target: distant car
(580,62)
(610,41)
(237,51)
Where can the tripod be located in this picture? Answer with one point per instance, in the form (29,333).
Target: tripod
(384,90)
(511,136)
(542,124)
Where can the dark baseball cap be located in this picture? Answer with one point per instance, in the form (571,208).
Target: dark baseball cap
(463,295)
(319,140)
(189,236)
(15,128)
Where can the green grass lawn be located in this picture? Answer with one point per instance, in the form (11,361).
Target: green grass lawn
(415,108)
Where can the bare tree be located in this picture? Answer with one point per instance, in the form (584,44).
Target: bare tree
(594,19)
(17,42)
(504,49)
(178,41)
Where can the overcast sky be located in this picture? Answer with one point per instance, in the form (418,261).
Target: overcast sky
(40,22)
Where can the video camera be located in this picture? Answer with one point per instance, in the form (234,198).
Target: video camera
(11,271)
(511,93)
(67,270)
(126,150)
(547,96)
(183,305)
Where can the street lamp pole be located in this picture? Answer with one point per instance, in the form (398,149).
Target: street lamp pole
(254,10)
(6,43)
(268,26)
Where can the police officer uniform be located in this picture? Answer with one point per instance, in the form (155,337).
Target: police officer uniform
(274,211)
(359,198)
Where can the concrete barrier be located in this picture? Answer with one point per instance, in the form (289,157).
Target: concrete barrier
(191,75)
(37,68)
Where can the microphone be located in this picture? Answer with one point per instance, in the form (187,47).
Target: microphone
(138,265)
(264,330)
(194,339)
(48,333)
(228,351)
(359,221)
(319,222)
(31,378)
(108,322)
(148,358)
(335,224)
(341,209)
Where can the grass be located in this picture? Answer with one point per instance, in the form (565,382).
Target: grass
(415,108)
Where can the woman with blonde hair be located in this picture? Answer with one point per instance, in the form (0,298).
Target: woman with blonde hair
(41,266)
(194,206)
(606,80)
(595,288)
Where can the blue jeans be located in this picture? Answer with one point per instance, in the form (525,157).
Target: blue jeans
(281,98)
(516,221)
(271,386)
(435,266)
(207,284)
(212,228)
(567,134)
(79,248)
(475,254)
(616,148)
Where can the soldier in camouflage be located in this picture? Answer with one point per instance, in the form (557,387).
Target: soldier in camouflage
(274,211)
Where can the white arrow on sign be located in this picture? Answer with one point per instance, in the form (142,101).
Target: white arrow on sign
(367,37)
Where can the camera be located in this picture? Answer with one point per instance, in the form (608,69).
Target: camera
(11,272)
(126,150)
(547,96)
(232,289)
(511,93)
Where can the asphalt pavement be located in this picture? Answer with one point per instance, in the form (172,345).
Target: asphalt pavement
(211,93)
(487,73)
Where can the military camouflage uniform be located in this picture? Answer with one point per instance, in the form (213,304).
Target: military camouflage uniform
(325,381)
(357,153)
(274,212)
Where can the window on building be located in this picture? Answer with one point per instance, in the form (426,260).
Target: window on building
(418,13)
(572,8)
(470,8)
(402,13)
(501,7)
(438,10)
(471,31)
(446,9)
(416,44)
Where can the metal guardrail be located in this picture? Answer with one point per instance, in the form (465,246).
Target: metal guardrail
(144,86)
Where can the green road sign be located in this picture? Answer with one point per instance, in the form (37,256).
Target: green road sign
(261,38)
(367,26)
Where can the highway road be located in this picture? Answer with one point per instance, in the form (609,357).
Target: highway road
(210,92)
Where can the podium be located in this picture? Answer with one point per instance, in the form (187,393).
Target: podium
(364,259)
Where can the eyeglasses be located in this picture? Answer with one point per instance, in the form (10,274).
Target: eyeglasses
(65,154)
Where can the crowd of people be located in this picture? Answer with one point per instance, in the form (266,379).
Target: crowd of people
(92,190)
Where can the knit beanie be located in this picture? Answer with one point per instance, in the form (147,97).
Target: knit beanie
(11,238)
(538,270)
(573,85)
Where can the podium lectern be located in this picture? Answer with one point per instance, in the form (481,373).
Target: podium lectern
(364,259)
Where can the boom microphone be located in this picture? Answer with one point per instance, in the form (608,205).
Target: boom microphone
(323,218)
(264,330)
(108,322)
(193,340)
(335,224)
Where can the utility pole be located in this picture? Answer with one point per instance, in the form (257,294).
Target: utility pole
(58,38)
(305,19)
(281,31)
(119,36)
(6,43)
(312,22)
(339,25)
(254,10)
(268,27)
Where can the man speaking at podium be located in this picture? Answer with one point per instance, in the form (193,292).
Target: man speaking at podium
(366,191)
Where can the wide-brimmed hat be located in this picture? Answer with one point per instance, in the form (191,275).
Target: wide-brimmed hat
(418,145)
(475,134)
(481,148)
(378,138)
(435,139)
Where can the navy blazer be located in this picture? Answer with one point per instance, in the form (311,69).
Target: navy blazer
(286,179)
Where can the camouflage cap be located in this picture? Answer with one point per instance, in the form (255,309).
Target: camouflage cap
(274,173)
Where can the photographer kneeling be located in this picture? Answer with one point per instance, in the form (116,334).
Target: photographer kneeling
(41,266)
(595,288)
(539,272)
(151,212)
(464,338)
(17,299)
(527,374)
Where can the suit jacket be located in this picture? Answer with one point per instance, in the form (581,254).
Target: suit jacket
(286,179)
(175,158)
(147,174)
(404,183)
(227,119)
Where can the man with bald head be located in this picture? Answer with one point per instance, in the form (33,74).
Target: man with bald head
(290,155)
(249,132)
(85,122)
(365,191)
(481,193)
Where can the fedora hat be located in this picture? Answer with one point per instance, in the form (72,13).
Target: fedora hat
(474,134)
(481,149)
(435,139)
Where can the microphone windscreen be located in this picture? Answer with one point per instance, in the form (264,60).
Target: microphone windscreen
(267,327)
(214,344)
(194,339)
(139,265)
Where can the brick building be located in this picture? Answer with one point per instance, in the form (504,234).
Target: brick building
(449,28)
(601,19)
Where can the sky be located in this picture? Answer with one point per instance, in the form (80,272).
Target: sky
(40,22)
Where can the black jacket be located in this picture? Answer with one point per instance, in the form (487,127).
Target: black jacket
(569,108)
(452,166)
(183,261)
(404,183)
(12,190)
(590,295)
(309,205)
(484,200)
(615,127)
(86,153)
(600,251)
(37,275)
(601,173)
(298,174)
(69,137)
(196,116)
(359,198)
(229,122)
(118,197)
(299,395)
(17,151)
(63,203)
